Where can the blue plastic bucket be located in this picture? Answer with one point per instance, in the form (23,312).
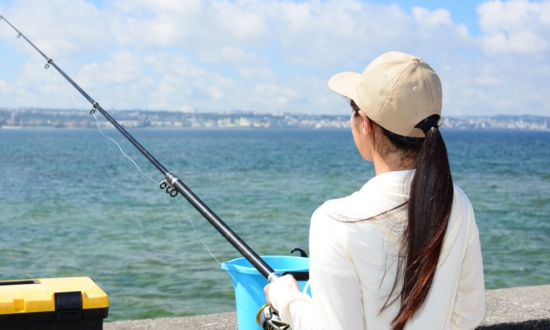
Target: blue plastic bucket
(249,284)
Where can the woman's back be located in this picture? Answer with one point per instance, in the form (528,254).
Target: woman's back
(349,235)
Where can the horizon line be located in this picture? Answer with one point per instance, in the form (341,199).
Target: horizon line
(250,112)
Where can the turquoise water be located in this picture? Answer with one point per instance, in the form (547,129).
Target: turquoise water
(72,205)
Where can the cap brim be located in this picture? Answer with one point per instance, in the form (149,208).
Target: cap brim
(345,84)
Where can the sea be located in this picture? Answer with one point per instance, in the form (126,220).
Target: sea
(71,204)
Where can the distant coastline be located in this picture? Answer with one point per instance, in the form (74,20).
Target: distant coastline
(13,118)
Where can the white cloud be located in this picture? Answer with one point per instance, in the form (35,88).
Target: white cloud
(57,27)
(430,19)
(258,74)
(4,88)
(434,22)
(231,55)
(194,24)
(271,55)
(515,26)
(306,33)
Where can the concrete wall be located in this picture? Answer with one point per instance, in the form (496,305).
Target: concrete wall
(507,309)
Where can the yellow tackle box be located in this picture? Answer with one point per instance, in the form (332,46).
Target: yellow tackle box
(72,303)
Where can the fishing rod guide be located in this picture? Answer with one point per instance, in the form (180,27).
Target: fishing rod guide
(172,180)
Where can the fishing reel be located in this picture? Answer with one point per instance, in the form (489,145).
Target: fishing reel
(269,319)
(168,188)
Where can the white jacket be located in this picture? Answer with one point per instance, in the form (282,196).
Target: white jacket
(353,265)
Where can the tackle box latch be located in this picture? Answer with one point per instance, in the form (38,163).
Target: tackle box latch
(68,306)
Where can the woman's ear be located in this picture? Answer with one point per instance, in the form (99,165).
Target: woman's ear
(366,125)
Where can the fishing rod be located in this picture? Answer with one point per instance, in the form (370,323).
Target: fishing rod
(172,184)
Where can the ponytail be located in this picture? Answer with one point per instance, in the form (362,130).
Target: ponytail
(429,209)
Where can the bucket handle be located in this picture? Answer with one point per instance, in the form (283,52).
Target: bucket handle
(303,253)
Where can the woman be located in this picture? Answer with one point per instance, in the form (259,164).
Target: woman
(404,251)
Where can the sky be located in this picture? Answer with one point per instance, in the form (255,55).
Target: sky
(493,57)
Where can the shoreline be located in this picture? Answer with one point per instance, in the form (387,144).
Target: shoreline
(174,128)
(506,309)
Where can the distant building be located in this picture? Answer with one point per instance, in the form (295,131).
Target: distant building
(243,122)
(32,117)
(14,121)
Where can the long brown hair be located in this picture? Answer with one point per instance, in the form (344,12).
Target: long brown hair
(429,209)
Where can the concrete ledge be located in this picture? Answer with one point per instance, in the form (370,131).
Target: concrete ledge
(517,308)
(523,308)
(221,321)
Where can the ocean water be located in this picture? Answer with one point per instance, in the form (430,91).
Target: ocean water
(72,205)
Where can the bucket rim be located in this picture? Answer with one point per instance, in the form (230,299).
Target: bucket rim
(235,265)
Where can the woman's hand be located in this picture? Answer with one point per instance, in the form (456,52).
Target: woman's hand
(287,282)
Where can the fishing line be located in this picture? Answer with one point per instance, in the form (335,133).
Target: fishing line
(177,200)
(158,183)
(172,183)
(118,145)
(100,131)
(199,236)
(139,169)
(306,286)
(74,100)
(196,232)
(72,97)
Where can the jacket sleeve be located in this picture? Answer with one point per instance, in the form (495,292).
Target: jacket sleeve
(469,308)
(335,288)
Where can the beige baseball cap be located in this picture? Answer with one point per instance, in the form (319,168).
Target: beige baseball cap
(396,91)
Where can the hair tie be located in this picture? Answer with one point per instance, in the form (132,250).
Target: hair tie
(428,123)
